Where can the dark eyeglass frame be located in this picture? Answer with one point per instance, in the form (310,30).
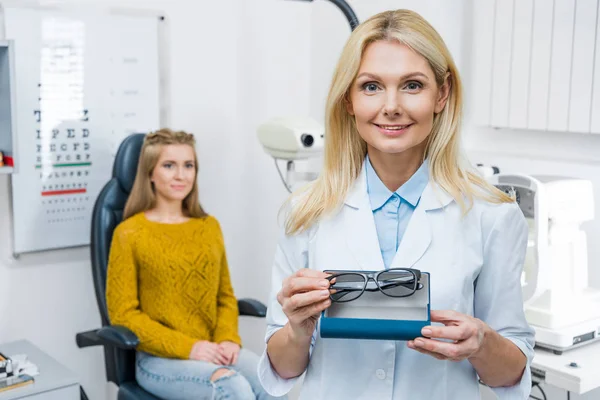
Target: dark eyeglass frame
(374,276)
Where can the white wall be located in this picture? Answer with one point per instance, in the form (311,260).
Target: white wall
(271,35)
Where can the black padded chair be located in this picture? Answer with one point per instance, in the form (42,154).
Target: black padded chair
(119,342)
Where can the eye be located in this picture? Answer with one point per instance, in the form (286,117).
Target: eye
(370,87)
(189,165)
(167,165)
(413,86)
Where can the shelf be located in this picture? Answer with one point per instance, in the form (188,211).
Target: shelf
(7,105)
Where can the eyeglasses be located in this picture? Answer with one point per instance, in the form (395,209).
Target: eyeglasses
(395,282)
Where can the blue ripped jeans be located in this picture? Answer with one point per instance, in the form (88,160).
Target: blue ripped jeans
(172,379)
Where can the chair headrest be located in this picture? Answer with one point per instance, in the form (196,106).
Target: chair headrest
(126,160)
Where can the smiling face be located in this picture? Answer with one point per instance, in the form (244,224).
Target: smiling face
(174,175)
(394,99)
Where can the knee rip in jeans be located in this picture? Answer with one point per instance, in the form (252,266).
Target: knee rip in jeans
(221,373)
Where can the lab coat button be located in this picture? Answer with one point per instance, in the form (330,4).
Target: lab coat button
(380,374)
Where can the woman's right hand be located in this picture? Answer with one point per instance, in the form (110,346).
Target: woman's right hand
(204,350)
(302,297)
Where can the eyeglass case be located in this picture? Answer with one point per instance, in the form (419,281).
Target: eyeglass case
(379,317)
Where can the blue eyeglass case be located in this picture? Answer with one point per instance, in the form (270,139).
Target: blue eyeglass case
(379,317)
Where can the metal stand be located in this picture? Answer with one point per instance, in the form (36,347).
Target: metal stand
(292,176)
(347,10)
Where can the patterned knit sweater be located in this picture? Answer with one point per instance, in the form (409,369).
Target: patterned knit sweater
(169,284)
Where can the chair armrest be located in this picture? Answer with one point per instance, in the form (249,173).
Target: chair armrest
(252,308)
(115,336)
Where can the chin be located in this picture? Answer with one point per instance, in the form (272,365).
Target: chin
(392,148)
(178,196)
(398,145)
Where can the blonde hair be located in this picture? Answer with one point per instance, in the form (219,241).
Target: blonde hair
(345,150)
(142,197)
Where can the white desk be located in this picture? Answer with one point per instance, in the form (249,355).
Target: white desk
(557,370)
(54,382)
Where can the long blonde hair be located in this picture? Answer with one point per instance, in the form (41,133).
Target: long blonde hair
(142,197)
(345,150)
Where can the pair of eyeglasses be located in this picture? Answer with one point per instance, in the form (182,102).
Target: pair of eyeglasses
(395,282)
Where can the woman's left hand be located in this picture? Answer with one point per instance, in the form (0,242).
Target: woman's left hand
(466,335)
(230,350)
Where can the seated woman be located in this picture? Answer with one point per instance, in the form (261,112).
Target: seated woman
(168,282)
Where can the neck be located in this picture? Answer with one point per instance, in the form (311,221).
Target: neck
(395,170)
(167,211)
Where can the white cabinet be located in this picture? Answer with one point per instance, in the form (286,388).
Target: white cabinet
(54,382)
(536,64)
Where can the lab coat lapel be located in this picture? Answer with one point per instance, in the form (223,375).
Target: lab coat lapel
(417,237)
(361,234)
(415,241)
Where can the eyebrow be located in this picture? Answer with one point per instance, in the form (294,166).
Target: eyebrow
(404,77)
(175,162)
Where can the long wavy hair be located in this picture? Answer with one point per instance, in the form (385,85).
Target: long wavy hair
(142,196)
(345,150)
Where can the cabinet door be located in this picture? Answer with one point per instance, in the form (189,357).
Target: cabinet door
(584,41)
(560,65)
(482,63)
(520,64)
(501,62)
(541,48)
(65,393)
(595,111)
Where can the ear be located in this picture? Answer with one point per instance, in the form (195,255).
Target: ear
(444,93)
(348,104)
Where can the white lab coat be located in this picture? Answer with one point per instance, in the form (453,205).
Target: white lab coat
(475,263)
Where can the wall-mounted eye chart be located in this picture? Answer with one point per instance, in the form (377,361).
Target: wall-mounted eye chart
(83,83)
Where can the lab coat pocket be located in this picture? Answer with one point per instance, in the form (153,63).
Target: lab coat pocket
(453,267)
(360,364)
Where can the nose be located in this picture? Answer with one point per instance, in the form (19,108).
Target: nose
(179,173)
(392,108)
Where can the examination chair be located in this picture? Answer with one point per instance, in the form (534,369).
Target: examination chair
(119,342)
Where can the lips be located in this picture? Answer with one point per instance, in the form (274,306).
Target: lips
(393,130)
(393,127)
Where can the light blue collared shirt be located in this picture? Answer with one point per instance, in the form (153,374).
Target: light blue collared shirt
(392,210)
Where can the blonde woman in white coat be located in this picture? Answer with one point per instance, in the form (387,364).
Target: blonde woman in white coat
(395,192)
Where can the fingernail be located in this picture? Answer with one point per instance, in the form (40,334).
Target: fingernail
(324,293)
(426,331)
(419,342)
(324,283)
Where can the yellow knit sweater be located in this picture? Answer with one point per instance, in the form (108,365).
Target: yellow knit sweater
(169,284)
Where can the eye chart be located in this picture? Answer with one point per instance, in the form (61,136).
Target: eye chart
(84,83)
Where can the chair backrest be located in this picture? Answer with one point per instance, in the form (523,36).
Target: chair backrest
(107,214)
